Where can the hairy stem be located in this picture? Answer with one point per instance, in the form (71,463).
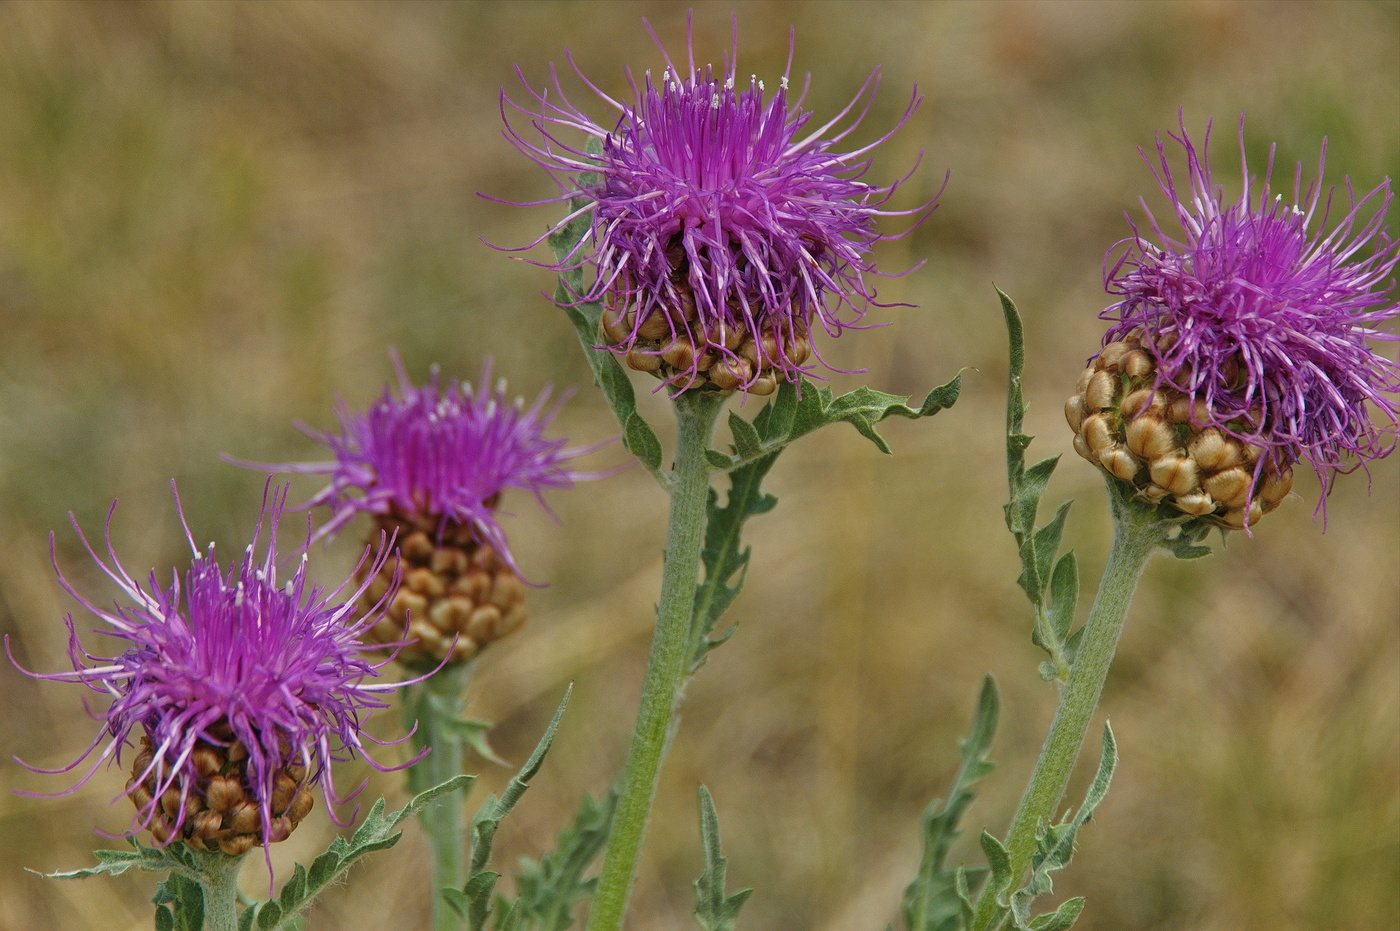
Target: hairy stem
(1136,532)
(433,704)
(219,881)
(666,669)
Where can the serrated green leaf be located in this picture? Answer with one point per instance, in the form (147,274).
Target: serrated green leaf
(457,901)
(964,888)
(998,863)
(165,919)
(718,460)
(417,804)
(641,441)
(1044,544)
(550,887)
(116,862)
(866,407)
(1064,595)
(185,896)
(1098,789)
(1016,441)
(477,892)
(191,913)
(776,419)
(809,414)
(1029,490)
(322,869)
(269,916)
(713,909)
(373,825)
(246,917)
(932,901)
(746,441)
(1062,918)
(481,882)
(799,410)
(723,557)
(295,889)
(1055,848)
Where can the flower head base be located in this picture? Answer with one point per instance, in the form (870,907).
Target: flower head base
(237,684)
(431,466)
(723,226)
(1261,325)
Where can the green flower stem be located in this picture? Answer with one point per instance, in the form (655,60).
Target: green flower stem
(1136,532)
(219,881)
(695,414)
(433,704)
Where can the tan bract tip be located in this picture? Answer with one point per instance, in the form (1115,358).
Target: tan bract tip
(457,595)
(219,808)
(1155,439)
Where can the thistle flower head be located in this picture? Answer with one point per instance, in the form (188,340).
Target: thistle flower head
(438,458)
(1263,318)
(724,224)
(228,668)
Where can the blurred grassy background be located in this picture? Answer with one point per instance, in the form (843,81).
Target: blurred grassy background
(214,216)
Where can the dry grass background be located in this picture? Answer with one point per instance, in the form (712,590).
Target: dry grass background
(213,217)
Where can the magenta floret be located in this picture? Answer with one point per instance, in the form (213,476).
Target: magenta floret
(712,191)
(1265,315)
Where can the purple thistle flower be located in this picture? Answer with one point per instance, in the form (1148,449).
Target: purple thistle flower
(722,221)
(1265,320)
(438,457)
(228,671)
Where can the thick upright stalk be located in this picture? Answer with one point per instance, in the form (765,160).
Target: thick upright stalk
(695,414)
(219,881)
(433,704)
(1136,532)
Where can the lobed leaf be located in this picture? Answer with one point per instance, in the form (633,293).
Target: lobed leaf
(377,832)
(723,556)
(713,909)
(798,410)
(550,887)
(473,901)
(936,899)
(1037,546)
(1055,848)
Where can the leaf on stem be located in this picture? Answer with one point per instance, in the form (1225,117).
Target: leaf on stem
(1038,547)
(938,897)
(797,411)
(473,901)
(724,558)
(377,832)
(550,887)
(116,862)
(793,413)
(608,374)
(713,909)
(1055,848)
(179,902)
